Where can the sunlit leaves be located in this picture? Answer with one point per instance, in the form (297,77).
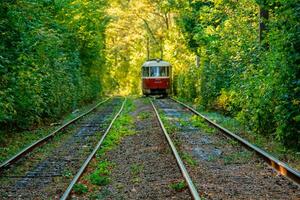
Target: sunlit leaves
(52,58)
(236,76)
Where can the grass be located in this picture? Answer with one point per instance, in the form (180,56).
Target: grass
(189,159)
(233,142)
(13,142)
(119,130)
(144,115)
(99,174)
(200,123)
(80,188)
(178,186)
(171,127)
(67,174)
(184,122)
(122,127)
(136,169)
(97,179)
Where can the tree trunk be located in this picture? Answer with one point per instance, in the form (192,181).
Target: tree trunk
(263,29)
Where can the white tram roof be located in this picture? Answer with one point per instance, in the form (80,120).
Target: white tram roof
(154,63)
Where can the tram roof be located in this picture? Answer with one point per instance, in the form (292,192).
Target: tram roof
(154,63)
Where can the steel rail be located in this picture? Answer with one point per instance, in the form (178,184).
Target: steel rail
(180,163)
(283,168)
(88,160)
(26,150)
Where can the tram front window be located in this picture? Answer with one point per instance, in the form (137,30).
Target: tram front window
(145,71)
(163,71)
(154,71)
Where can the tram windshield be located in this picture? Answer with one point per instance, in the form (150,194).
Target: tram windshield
(155,71)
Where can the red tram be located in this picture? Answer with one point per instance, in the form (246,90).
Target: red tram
(156,77)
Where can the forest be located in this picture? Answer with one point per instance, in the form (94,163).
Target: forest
(239,58)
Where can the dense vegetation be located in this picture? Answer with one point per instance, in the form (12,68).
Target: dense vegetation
(51,57)
(56,54)
(256,81)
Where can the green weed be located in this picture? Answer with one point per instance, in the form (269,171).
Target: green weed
(199,122)
(98,179)
(80,188)
(183,122)
(67,173)
(136,180)
(189,159)
(178,186)
(101,175)
(144,115)
(136,169)
(171,127)
(121,128)
(233,142)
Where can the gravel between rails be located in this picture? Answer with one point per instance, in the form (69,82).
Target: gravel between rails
(224,169)
(144,167)
(46,172)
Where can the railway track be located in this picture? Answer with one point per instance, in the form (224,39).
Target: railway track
(146,163)
(52,171)
(46,171)
(224,168)
(282,168)
(179,161)
(41,141)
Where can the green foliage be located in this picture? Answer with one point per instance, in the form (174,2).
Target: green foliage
(48,65)
(98,179)
(189,159)
(55,55)
(199,122)
(80,188)
(121,128)
(258,83)
(178,186)
(143,115)
(101,175)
